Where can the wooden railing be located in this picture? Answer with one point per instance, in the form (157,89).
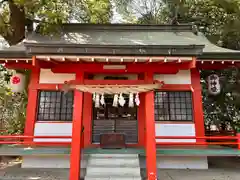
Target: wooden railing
(205,140)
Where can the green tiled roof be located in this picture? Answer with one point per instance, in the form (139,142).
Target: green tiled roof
(120,38)
(126,35)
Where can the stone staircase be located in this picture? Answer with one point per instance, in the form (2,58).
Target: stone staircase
(113,167)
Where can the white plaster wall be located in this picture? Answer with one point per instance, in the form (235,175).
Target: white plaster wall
(170,162)
(175,130)
(129,76)
(182,77)
(48,77)
(50,161)
(53,129)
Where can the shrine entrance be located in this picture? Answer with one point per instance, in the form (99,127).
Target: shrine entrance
(115,109)
(108,118)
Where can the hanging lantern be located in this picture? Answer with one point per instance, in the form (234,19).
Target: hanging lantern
(102,101)
(214,87)
(131,103)
(115,100)
(121,100)
(17,82)
(97,101)
(137,100)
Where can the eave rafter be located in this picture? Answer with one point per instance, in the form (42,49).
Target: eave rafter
(57,62)
(115,59)
(217,64)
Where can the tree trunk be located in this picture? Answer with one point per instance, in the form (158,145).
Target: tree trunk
(16,31)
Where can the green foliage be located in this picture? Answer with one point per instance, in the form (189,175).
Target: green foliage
(223,109)
(219,20)
(12,106)
(15,15)
(98,11)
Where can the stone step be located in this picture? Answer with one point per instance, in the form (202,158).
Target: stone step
(117,162)
(113,178)
(112,171)
(114,156)
(24,178)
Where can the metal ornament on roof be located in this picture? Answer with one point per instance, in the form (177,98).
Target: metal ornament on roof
(214,87)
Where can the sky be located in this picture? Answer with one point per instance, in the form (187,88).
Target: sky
(116,16)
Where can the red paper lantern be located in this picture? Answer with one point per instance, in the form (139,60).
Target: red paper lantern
(17,82)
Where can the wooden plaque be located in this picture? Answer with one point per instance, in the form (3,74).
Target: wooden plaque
(112,141)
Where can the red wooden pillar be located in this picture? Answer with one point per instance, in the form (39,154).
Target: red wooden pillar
(32,103)
(197,104)
(141,121)
(151,156)
(75,157)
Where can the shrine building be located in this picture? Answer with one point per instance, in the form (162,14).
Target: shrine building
(112,89)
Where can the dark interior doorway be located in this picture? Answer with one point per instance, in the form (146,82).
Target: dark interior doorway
(109,119)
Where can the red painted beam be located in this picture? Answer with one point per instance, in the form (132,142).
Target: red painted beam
(238,135)
(157,137)
(130,67)
(19,65)
(118,82)
(176,87)
(203,137)
(30,137)
(195,143)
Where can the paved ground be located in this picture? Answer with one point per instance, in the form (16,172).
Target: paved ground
(62,174)
(220,169)
(212,174)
